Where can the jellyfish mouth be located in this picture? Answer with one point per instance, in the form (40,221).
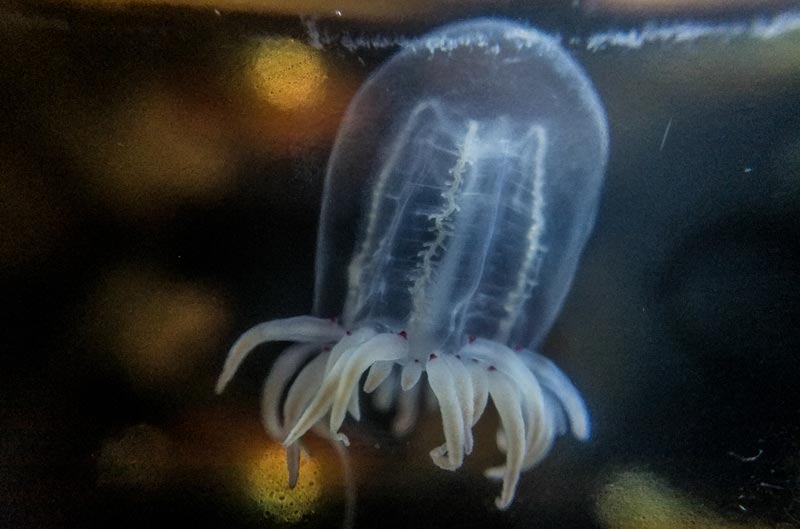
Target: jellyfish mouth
(534,400)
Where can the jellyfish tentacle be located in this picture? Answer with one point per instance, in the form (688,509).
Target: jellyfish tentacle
(480,387)
(506,398)
(407,410)
(535,400)
(539,430)
(349,341)
(321,402)
(428,399)
(387,392)
(285,366)
(441,382)
(558,417)
(379,372)
(500,440)
(410,375)
(554,379)
(539,433)
(296,400)
(380,348)
(315,410)
(354,405)
(293,463)
(298,329)
(301,392)
(466,398)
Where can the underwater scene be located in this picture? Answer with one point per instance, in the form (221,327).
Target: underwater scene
(400,264)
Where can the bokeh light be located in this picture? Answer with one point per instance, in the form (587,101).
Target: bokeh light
(288,74)
(285,95)
(161,331)
(267,484)
(637,499)
(153,152)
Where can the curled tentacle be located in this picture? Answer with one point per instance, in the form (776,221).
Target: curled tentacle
(558,417)
(286,365)
(466,397)
(533,398)
(553,379)
(304,329)
(539,434)
(440,378)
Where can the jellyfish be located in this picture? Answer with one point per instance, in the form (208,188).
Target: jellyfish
(462,187)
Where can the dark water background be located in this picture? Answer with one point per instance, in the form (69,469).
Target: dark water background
(155,203)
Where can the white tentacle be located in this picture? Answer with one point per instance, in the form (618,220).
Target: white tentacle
(407,411)
(380,348)
(552,378)
(506,398)
(449,456)
(323,399)
(296,400)
(386,394)
(534,399)
(304,329)
(284,368)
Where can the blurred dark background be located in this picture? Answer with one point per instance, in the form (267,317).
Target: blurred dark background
(160,180)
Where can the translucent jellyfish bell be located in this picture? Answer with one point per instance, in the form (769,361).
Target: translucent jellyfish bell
(536,165)
(461,190)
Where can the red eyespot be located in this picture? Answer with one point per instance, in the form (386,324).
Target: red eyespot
(471,339)
(403,334)
(433,357)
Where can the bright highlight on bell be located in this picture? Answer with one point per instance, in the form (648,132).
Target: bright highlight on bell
(475,157)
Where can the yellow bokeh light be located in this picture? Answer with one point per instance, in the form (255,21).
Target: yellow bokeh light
(288,74)
(267,484)
(637,499)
